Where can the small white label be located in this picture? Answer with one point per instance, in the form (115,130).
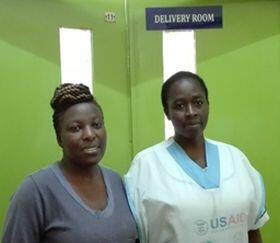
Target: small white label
(110,17)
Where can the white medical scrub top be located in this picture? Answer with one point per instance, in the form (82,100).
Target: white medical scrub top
(175,200)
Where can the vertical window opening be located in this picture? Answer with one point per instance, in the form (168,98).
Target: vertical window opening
(76,56)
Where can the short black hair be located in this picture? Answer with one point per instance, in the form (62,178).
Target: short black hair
(177,77)
(65,96)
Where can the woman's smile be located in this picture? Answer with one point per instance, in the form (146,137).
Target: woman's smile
(91,150)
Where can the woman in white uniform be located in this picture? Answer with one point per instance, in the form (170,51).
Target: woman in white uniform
(190,189)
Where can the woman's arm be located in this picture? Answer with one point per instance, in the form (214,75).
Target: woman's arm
(254,236)
(24,217)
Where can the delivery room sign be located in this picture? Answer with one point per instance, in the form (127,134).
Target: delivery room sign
(184,18)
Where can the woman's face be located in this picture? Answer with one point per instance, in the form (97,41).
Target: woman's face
(82,134)
(187,108)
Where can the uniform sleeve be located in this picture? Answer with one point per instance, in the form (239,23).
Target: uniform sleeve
(24,218)
(259,215)
(134,190)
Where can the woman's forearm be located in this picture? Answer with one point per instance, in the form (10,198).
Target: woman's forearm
(254,236)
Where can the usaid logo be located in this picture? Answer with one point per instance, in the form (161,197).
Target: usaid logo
(222,222)
(201,226)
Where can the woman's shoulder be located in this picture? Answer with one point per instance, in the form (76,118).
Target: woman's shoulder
(30,187)
(225,146)
(152,150)
(43,176)
(37,176)
(150,158)
(110,173)
(237,157)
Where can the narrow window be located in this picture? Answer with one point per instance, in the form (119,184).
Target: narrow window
(76,56)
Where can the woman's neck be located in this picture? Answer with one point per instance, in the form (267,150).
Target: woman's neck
(88,183)
(79,171)
(195,149)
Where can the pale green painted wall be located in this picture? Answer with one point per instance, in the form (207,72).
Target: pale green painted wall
(240,64)
(29,72)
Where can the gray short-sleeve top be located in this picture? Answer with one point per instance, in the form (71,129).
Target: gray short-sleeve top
(46,209)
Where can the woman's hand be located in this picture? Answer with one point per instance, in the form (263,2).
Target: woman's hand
(254,236)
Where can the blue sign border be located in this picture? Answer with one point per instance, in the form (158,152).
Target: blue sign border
(178,18)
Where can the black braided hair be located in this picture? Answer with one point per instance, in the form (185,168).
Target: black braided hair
(66,95)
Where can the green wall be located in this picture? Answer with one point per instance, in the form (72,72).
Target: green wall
(240,64)
(29,72)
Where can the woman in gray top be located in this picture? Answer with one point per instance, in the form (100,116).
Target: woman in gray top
(74,200)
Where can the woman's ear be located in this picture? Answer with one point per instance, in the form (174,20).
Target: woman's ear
(58,139)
